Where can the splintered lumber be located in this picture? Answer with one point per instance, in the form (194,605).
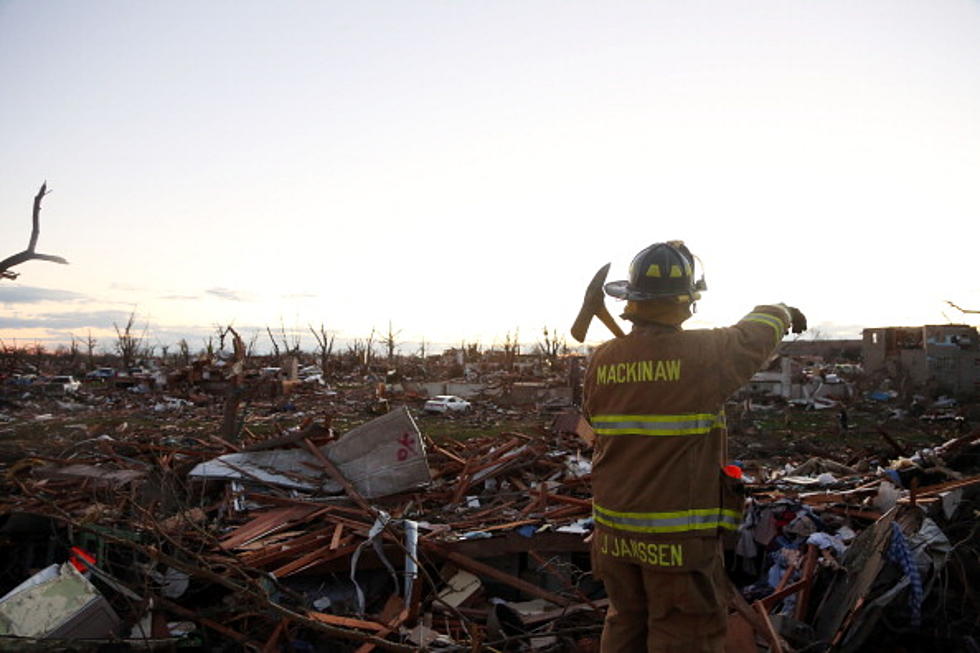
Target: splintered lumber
(392,624)
(481,569)
(345,622)
(933,490)
(803,600)
(750,615)
(272,644)
(771,634)
(335,540)
(321,555)
(267,523)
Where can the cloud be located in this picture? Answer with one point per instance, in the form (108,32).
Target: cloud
(32,295)
(301,295)
(180,297)
(90,319)
(126,287)
(226,293)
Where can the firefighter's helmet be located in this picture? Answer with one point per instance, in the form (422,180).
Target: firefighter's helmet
(661,271)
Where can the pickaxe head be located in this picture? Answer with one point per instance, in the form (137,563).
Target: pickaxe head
(594,304)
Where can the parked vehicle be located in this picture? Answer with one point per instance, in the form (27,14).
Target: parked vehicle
(101,373)
(62,384)
(446,404)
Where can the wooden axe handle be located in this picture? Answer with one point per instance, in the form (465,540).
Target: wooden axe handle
(607,319)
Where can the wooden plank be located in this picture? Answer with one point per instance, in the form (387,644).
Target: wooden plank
(803,600)
(346,622)
(932,490)
(775,645)
(335,540)
(270,522)
(312,558)
(272,644)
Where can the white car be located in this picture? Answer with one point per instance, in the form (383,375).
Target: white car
(63,384)
(446,404)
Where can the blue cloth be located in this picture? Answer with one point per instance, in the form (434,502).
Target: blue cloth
(898,553)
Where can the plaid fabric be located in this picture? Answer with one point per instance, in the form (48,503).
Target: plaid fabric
(898,553)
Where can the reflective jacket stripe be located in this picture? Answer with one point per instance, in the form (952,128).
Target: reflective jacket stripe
(765,318)
(668,522)
(686,424)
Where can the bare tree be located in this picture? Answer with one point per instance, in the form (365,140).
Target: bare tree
(512,348)
(250,345)
(184,352)
(552,345)
(73,352)
(285,346)
(129,343)
(11,356)
(276,354)
(391,344)
(324,345)
(90,343)
(369,351)
(355,351)
(235,374)
(39,353)
(30,254)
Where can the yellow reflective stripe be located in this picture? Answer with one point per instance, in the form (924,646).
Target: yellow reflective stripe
(668,522)
(653,270)
(684,424)
(764,318)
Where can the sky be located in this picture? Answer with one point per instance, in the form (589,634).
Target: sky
(460,170)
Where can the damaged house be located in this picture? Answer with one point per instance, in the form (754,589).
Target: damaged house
(944,358)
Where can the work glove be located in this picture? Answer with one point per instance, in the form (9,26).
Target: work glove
(797,319)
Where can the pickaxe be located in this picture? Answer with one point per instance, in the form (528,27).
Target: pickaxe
(594,304)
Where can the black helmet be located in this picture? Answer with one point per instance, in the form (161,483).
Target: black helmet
(660,271)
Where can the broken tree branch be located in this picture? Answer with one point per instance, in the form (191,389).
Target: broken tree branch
(962,310)
(30,254)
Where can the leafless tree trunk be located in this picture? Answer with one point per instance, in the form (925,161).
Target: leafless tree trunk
(73,351)
(90,343)
(369,351)
(129,344)
(184,352)
(235,374)
(30,254)
(552,345)
(290,347)
(391,344)
(250,346)
(324,345)
(11,356)
(512,349)
(38,352)
(276,354)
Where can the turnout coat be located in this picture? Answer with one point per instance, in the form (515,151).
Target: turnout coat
(655,399)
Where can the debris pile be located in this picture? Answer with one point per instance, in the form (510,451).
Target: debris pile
(150,530)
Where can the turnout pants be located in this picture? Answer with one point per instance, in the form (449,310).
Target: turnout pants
(657,611)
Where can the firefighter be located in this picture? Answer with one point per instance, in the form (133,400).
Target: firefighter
(662,496)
